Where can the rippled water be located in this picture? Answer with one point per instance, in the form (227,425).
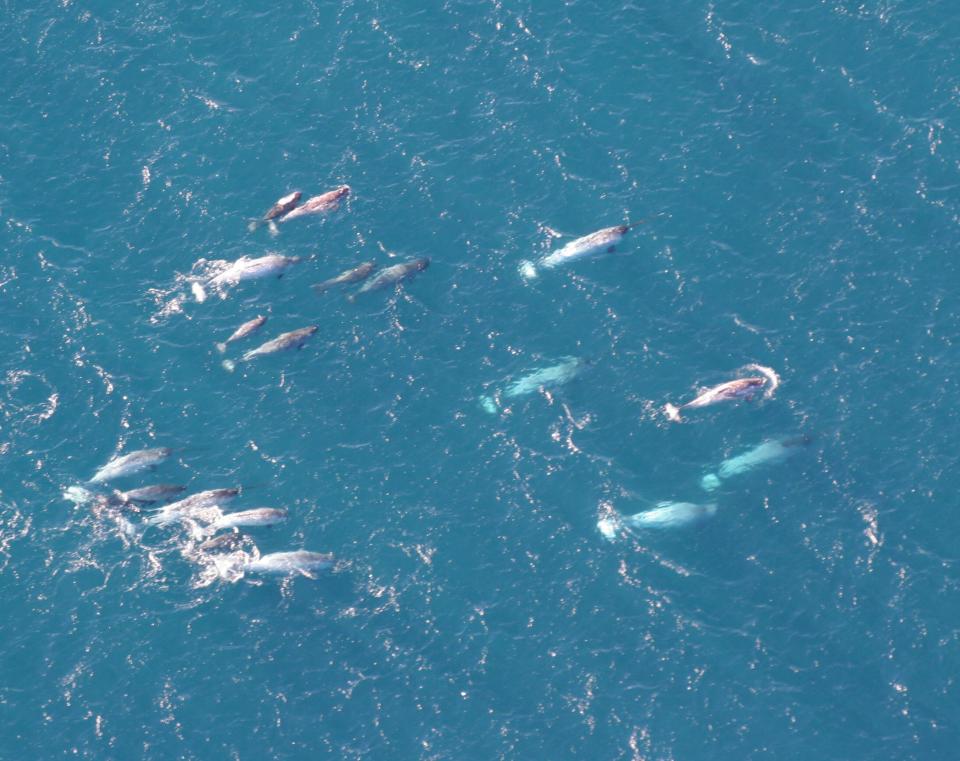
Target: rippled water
(795,168)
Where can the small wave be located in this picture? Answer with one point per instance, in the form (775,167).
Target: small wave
(773,380)
(170,301)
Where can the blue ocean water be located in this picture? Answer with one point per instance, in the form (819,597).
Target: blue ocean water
(795,169)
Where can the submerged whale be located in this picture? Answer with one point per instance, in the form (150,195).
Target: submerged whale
(766,453)
(594,243)
(225,542)
(663,515)
(353,275)
(546,378)
(670,515)
(739,388)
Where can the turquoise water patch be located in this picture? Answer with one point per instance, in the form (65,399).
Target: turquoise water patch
(794,170)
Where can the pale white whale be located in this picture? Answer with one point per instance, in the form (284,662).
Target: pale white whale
(767,453)
(663,515)
(302,562)
(258,516)
(253,268)
(545,377)
(594,243)
(670,515)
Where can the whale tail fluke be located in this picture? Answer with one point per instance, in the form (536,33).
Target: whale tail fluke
(528,270)
(272,227)
(198,532)
(607,528)
(254,224)
(610,525)
(229,365)
(222,348)
(672,412)
(78,495)
(710,482)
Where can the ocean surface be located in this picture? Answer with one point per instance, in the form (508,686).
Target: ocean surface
(793,170)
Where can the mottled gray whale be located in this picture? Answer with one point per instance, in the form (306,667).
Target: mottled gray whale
(294,339)
(321,204)
(248,328)
(739,388)
(392,275)
(129,464)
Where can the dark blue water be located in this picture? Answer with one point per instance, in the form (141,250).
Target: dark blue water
(796,169)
